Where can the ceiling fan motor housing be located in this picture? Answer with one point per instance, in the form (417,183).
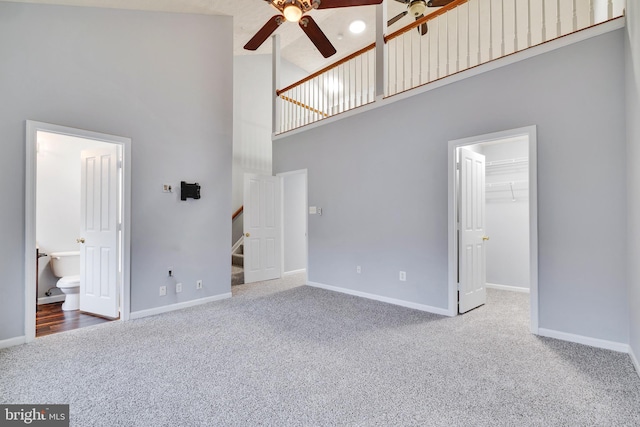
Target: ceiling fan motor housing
(417,7)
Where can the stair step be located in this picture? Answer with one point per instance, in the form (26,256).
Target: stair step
(237,259)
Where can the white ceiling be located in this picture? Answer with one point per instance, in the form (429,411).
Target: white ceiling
(250,15)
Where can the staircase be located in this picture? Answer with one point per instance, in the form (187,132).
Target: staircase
(237,266)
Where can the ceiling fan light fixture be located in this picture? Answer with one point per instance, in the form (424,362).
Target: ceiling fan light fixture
(417,7)
(292,12)
(357,26)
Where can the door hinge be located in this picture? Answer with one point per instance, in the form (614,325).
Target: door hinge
(458,166)
(119,164)
(120,226)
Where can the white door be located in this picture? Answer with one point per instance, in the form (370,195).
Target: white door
(99,229)
(472,254)
(261,228)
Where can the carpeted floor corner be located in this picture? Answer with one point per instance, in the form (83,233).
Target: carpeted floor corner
(280,354)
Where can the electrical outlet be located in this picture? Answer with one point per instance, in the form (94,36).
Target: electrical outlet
(178,288)
(163,291)
(199,284)
(403,276)
(358,269)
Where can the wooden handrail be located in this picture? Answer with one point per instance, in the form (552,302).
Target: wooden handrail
(427,18)
(300,104)
(237,213)
(372,46)
(327,68)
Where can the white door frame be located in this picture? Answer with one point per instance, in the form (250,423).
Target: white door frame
(32,129)
(283,175)
(531,133)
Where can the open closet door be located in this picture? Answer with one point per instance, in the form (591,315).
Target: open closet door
(472,274)
(262,238)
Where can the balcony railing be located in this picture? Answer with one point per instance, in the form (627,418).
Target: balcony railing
(460,36)
(344,85)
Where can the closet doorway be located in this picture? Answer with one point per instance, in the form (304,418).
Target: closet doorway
(493,218)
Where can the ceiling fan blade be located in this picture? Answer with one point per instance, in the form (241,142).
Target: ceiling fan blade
(330,4)
(264,32)
(403,1)
(315,34)
(422,28)
(438,3)
(396,18)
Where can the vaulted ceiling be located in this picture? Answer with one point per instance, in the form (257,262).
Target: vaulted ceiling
(250,15)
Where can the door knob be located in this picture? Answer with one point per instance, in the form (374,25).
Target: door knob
(485,237)
(80,240)
(247,235)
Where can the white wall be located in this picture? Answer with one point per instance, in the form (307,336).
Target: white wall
(251,120)
(164,80)
(381,179)
(58,199)
(633,172)
(252,104)
(294,221)
(507,220)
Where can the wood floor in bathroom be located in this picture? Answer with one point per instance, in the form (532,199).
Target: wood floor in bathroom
(50,319)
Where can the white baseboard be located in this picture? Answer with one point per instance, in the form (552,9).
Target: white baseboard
(11,342)
(51,299)
(634,360)
(292,272)
(580,339)
(178,306)
(507,288)
(403,303)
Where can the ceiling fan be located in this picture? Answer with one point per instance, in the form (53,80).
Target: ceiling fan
(416,9)
(294,11)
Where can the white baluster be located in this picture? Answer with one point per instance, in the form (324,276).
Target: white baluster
(502,37)
(457,38)
(575,16)
(528,23)
(592,13)
(446,40)
(610,9)
(490,30)
(468,35)
(411,81)
(479,44)
(429,56)
(544,21)
(438,47)
(515,25)
(558,19)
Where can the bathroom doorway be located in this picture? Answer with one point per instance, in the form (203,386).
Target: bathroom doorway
(77,212)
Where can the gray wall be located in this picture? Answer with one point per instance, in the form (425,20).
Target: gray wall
(164,80)
(381,179)
(633,158)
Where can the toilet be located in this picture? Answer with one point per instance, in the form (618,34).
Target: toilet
(66,266)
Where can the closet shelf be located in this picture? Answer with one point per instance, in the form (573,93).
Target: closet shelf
(507,163)
(504,184)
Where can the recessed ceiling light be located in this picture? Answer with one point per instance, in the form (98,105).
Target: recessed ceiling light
(356,27)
